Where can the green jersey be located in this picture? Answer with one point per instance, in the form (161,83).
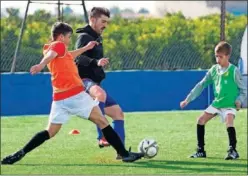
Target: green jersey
(225,88)
(227,84)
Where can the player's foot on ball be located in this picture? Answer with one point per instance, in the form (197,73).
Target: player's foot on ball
(199,154)
(11,159)
(232,154)
(118,157)
(133,157)
(103,143)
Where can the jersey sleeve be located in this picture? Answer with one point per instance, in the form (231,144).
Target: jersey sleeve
(59,48)
(242,88)
(197,90)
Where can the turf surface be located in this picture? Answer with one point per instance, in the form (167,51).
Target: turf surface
(174,132)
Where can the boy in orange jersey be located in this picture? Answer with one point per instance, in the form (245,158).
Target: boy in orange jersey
(69,96)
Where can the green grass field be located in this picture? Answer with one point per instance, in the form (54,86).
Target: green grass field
(174,132)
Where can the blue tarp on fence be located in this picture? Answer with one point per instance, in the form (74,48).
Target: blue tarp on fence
(24,94)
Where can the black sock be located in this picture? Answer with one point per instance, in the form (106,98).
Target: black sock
(114,140)
(200,136)
(37,140)
(232,137)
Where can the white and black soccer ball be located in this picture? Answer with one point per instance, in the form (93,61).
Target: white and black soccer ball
(149,147)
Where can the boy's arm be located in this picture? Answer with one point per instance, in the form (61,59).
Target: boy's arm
(84,59)
(78,52)
(46,59)
(242,88)
(197,90)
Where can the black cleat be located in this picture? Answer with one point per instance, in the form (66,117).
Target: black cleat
(11,159)
(232,154)
(132,156)
(199,154)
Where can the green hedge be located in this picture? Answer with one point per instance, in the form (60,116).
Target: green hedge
(168,43)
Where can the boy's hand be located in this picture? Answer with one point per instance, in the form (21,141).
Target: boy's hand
(103,61)
(183,104)
(91,45)
(238,105)
(36,69)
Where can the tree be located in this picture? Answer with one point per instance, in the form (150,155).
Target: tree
(128,10)
(41,15)
(167,43)
(67,10)
(13,12)
(143,11)
(115,10)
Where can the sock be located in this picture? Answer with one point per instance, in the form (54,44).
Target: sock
(232,137)
(36,141)
(114,140)
(200,136)
(118,126)
(99,131)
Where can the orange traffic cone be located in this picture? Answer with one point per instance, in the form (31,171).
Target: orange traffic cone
(74,132)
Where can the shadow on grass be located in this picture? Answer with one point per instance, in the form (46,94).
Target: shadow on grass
(198,166)
(223,159)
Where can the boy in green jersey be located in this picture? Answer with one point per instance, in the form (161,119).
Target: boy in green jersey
(229,93)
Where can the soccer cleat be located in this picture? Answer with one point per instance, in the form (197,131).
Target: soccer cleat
(232,154)
(199,154)
(132,156)
(103,143)
(11,159)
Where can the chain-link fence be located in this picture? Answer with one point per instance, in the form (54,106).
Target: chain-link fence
(172,42)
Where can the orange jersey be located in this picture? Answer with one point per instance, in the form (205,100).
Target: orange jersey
(64,73)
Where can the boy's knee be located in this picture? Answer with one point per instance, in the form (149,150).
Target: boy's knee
(100,94)
(201,120)
(204,118)
(229,120)
(51,133)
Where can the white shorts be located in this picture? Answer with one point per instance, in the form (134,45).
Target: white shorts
(222,112)
(80,105)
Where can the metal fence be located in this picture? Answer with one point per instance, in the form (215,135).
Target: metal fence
(21,47)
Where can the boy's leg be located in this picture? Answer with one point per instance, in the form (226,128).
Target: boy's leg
(57,117)
(113,110)
(207,115)
(88,108)
(229,119)
(38,139)
(112,137)
(98,93)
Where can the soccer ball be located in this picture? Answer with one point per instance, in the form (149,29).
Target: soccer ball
(149,147)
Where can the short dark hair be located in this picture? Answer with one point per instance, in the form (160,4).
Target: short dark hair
(223,47)
(60,28)
(98,11)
